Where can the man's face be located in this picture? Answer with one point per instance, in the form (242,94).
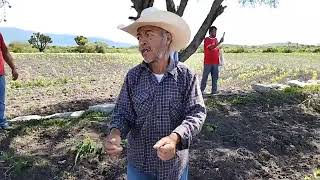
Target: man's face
(213,33)
(154,43)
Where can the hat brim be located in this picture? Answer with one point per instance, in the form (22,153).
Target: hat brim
(180,34)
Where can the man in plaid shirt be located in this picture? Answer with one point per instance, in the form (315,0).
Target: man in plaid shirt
(160,107)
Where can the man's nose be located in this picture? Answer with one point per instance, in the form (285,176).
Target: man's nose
(142,41)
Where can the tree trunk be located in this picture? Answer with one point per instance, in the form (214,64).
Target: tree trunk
(171,6)
(181,7)
(140,5)
(216,10)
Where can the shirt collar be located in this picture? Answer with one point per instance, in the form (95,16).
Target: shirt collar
(171,69)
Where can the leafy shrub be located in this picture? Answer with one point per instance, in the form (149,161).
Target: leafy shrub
(87,148)
(286,50)
(237,50)
(100,47)
(20,47)
(317,50)
(270,50)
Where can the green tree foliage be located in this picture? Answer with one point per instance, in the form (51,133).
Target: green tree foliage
(100,47)
(81,40)
(39,41)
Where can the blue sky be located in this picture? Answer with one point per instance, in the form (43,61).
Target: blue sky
(294,20)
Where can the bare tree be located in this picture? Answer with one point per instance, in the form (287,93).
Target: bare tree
(216,10)
(3,5)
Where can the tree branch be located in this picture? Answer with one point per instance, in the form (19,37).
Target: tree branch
(216,10)
(271,3)
(182,7)
(171,6)
(139,6)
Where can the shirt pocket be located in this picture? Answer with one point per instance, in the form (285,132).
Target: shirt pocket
(142,104)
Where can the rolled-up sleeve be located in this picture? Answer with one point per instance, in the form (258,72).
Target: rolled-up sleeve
(123,114)
(195,115)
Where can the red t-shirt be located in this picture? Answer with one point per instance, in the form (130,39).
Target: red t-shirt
(211,56)
(3,48)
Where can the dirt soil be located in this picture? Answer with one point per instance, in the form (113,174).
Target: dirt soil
(246,136)
(63,82)
(261,138)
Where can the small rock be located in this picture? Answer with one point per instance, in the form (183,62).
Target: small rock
(268,87)
(51,116)
(76,114)
(313,82)
(26,118)
(296,83)
(64,115)
(62,162)
(106,108)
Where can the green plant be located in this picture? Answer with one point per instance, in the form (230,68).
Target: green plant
(292,90)
(39,41)
(17,164)
(286,50)
(21,47)
(87,148)
(81,40)
(314,176)
(237,50)
(270,50)
(38,82)
(100,47)
(317,50)
(314,75)
(96,116)
(208,129)
(124,143)
(312,89)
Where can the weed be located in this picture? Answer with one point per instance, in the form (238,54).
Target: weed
(314,176)
(87,148)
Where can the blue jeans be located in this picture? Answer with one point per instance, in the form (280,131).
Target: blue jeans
(3,120)
(214,70)
(135,174)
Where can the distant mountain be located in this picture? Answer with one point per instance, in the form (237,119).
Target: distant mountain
(20,35)
(285,44)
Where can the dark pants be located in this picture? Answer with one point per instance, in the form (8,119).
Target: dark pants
(214,70)
(3,120)
(134,174)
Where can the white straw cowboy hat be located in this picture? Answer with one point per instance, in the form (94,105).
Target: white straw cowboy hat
(166,20)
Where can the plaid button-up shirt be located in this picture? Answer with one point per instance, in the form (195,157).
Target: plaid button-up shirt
(148,110)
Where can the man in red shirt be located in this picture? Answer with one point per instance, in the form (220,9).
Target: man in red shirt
(211,60)
(5,56)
